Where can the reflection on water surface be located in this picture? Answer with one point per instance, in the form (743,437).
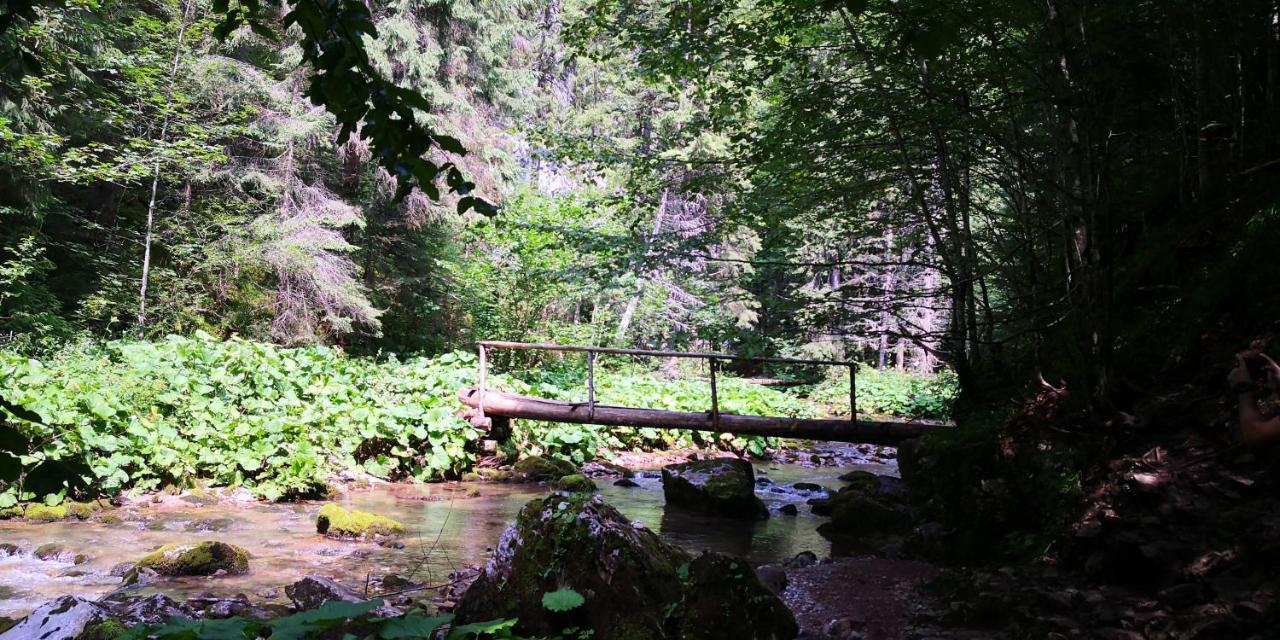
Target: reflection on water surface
(448,529)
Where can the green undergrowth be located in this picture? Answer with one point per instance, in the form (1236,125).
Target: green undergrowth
(140,415)
(102,418)
(890,393)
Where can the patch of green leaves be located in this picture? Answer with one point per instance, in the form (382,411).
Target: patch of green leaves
(279,421)
(564,599)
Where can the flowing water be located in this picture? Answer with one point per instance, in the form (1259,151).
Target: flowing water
(449,525)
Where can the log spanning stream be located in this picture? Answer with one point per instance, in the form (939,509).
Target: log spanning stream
(450,526)
(486,404)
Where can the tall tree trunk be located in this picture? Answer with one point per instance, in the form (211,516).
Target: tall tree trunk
(155,173)
(629,312)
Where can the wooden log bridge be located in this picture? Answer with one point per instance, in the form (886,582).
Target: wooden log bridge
(486,404)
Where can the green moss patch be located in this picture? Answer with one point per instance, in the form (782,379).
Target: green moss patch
(576,483)
(543,468)
(37,512)
(336,522)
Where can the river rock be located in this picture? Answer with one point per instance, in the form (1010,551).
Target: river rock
(55,552)
(723,487)
(313,591)
(201,559)
(576,482)
(336,522)
(802,560)
(37,512)
(539,468)
(635,585)
(151,609)
(773,577)
(210,524)
(63,618)
(868,505)
(724,598)
(9,549)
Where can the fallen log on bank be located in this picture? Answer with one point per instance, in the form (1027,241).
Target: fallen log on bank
(879,431)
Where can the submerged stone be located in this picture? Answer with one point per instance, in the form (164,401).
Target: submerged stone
(210,524)
(55,552)
(634,584)
(723,487)
(336,522)
(203,559)
(543,468)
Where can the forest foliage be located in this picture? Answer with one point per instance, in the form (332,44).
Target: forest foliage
(1021,194)
(283,422)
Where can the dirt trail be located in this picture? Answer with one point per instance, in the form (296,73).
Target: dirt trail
(868,598)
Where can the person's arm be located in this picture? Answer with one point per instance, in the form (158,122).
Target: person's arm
(1254,427)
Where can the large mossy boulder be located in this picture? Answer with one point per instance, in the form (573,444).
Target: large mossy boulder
(202,559)
(542,468)
(336,522)
(635,585)
(723,487)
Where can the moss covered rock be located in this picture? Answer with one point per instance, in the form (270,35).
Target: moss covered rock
(635,585)
(576,483)
(724,598)
(870,506)
(45,513)
(722,487)
(106,630)
(543,468)
(55,552)
(201,559)
(336,522)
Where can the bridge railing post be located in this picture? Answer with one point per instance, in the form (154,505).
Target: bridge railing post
(484,374)
(715,400)
(853,394)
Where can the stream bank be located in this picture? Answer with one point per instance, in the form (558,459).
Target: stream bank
(450,528)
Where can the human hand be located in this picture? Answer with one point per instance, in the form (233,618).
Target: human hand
(1240,374)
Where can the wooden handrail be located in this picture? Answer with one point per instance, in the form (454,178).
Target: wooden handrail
(533,346)
(713,358)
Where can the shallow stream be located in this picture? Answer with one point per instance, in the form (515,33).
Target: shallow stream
(451,526)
